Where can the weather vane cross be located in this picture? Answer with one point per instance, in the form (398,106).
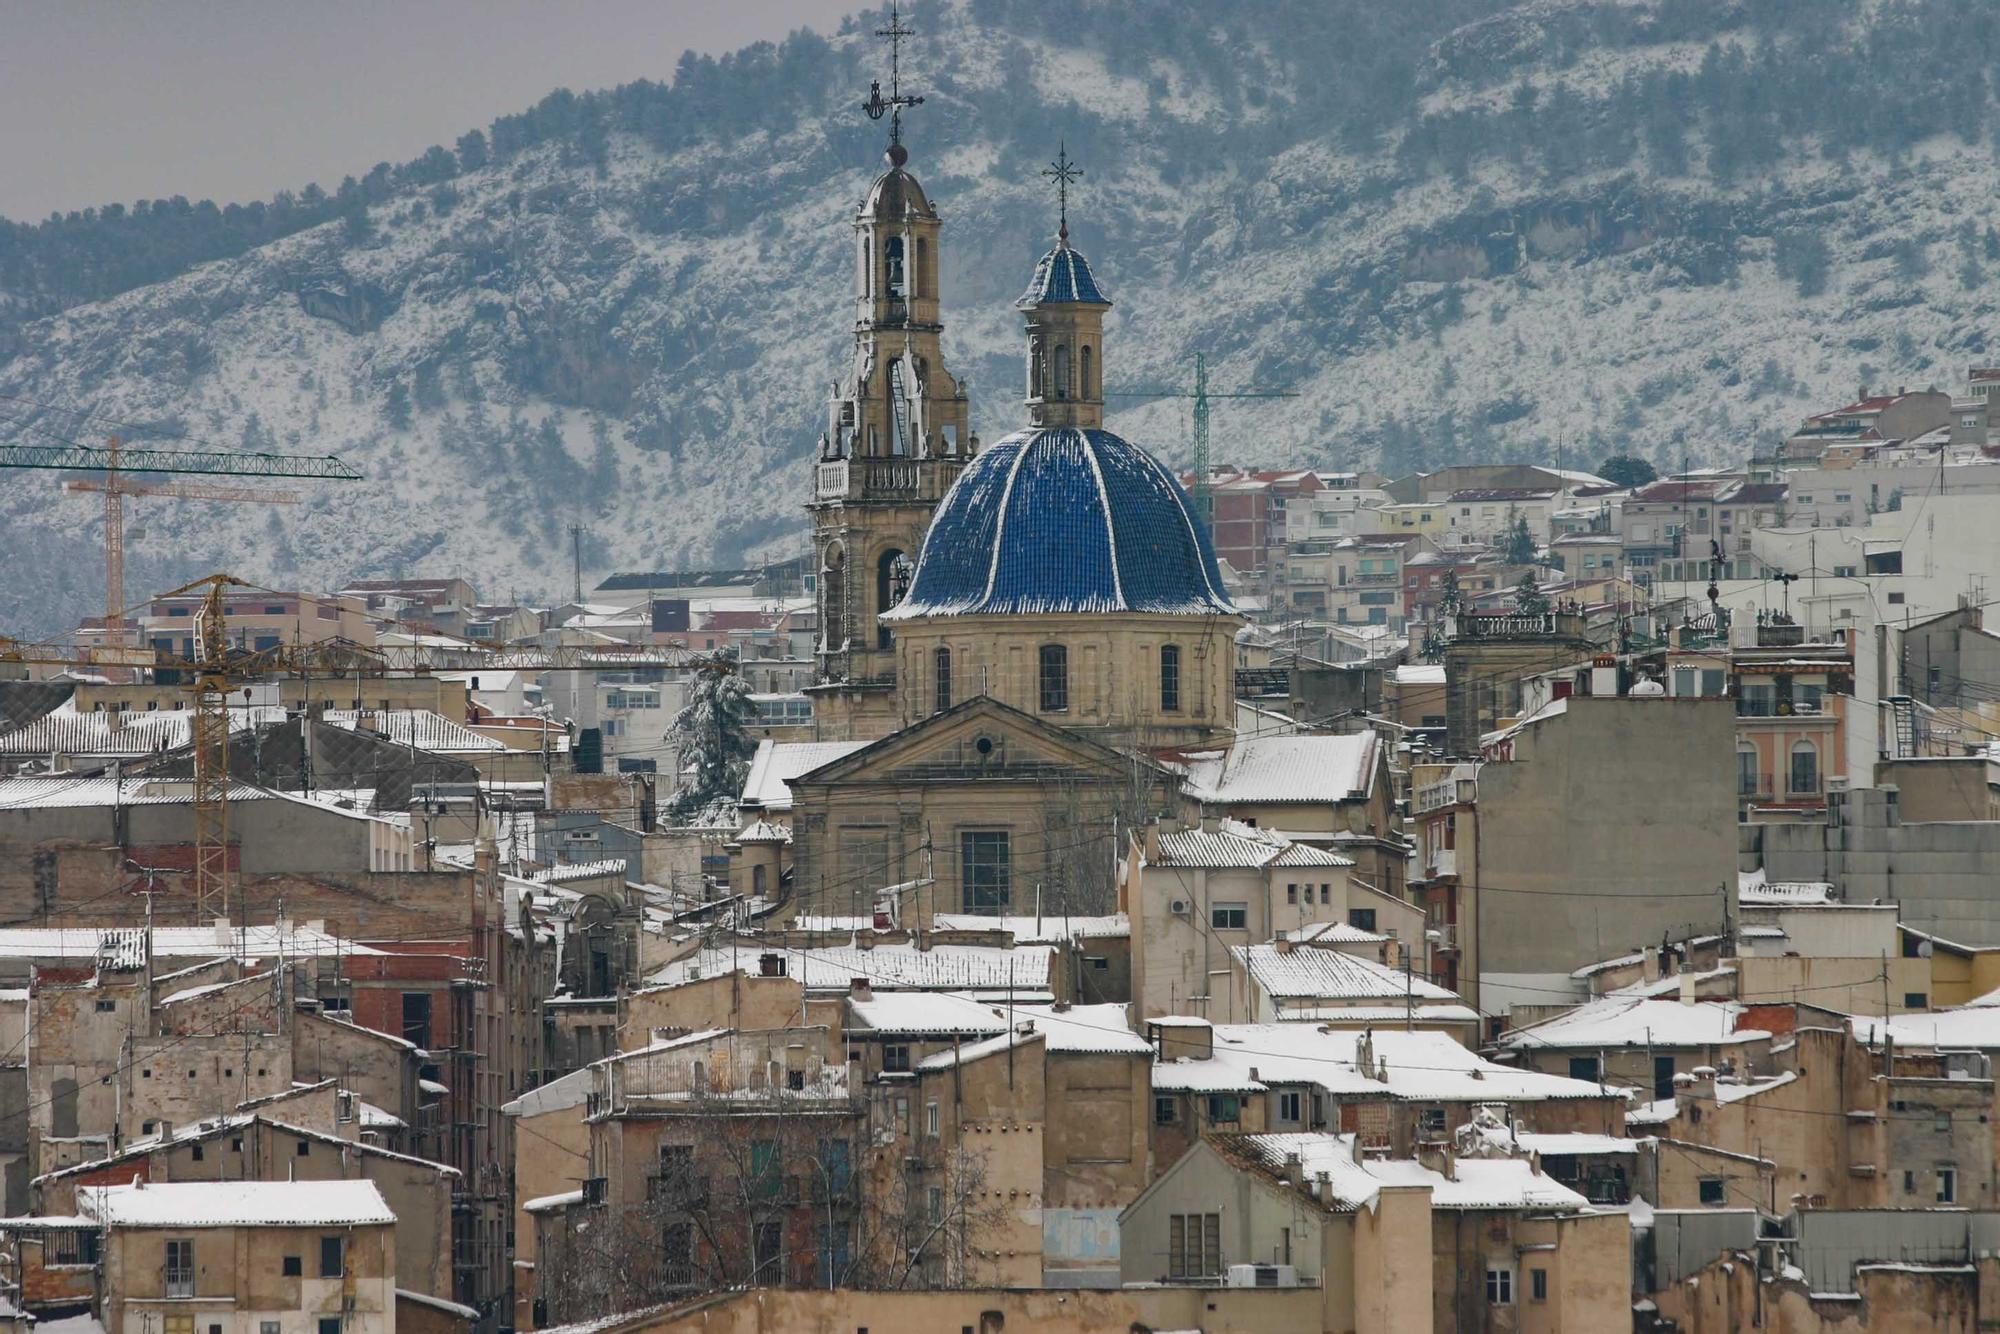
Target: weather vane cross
(1065,174)
(892,106)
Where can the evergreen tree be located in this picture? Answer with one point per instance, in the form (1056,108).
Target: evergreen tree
(1627,470)
(1529,599)
(712,733)
(1518,547)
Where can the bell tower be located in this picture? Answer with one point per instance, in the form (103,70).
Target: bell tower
(1065,316)
(896,437)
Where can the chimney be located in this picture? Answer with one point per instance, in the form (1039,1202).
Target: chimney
(1283,943)
(1294,1170)
(1687,986)
(860,989)
(1152,841)
(1323,1183)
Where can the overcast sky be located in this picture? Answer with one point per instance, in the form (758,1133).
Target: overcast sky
(104,100)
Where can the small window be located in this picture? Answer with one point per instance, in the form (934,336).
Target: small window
(195,1152)
(107,1007)
(933,1120)
(1291,893)
(331,1257)
(1163,1111)
(1947,1184)
(1170,678)
(1583,1067)
(1538,1285)
(1288,1107)
(1713,1190)
(268,1327)
(1224,1108)
(1499,1287)
(1915,1000)
(1229,916)
(1054,678)
(1326,894)
(896,1057)
(329,1324)
(941,664)
(1361,919)
(294,1266)
(305,1149)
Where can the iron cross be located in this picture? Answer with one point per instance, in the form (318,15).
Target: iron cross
(892,106)
(1065,174)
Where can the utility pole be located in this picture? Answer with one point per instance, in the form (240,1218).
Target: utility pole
(576,557)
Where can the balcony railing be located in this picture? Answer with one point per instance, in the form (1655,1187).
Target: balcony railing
(180,1282)
(1753,785)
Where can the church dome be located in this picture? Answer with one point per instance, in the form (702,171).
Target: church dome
(1063,276)
(897,195)
(1063,520)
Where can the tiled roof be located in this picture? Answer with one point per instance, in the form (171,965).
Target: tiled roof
(1620,1022)
(913,1012)
(118,733)
(420,729)
(1273,769)
(1319,972)
(1065,520)
(1231,844)
(169,1204)
(1427,1067)
(1062,276)
(776,763)
(562,874)
(983,970)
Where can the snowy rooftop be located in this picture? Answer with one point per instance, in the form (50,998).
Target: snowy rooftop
(1422,1067)
(78,793)
(1753,889)
(1476,1183)
(1318,972)
(777,763)
(1264,770)
(1973,1027)
(84,942)
(984,970)
(568,871)
(236,1204)
(1080,1029)
(909,1012)
(1620,1022)
(419,729)
(119,733)
(1418,674)
(1233,844)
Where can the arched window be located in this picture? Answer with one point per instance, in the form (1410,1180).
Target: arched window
(757,881)
(1749,777)
(894,284)
(833,601)
(923,267)
(1053,678)
(1061,387)
(1084,383)
(1170,678)
(1034,368)
(1805,770)
(892,581)
(941,664)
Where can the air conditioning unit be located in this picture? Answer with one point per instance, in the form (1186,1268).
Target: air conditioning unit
(1262,1276)
(1178,907)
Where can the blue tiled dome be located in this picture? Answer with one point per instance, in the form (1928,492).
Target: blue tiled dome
(1063,276)
(1061,519)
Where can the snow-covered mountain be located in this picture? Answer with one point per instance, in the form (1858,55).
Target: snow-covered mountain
(1460,230)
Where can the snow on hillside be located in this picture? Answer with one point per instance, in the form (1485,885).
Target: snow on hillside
(644,347)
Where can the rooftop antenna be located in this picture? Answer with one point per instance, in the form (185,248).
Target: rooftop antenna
(877,105)
(1065,174)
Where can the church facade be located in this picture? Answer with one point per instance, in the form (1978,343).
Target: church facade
(1015,631)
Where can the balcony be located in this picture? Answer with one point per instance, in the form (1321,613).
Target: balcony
(884,479)
(180,1282)
(1754,785)
(1375,577)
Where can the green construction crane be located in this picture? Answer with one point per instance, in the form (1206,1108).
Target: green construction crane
(113,459)
(1201,394)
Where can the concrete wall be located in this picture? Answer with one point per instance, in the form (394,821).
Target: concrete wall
(1613,824)
(238,1277)
(1939,787)
(1047,1311)
(1941,873)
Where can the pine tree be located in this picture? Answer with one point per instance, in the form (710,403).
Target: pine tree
(712,732)
(1627,470)
(1529,599)
(1518,548)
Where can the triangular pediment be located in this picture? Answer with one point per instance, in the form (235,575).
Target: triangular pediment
(976,739)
